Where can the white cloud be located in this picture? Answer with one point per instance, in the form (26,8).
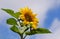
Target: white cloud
(55,25)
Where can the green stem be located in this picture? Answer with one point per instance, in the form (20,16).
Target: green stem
(21,36)
(25,36)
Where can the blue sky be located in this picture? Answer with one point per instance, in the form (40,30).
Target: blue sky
(48,14)
(51,15)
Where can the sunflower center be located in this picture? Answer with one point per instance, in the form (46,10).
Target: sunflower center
(28,17)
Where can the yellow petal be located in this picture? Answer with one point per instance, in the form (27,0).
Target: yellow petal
(27,13)
(22,17)
(34,26)
(35,14)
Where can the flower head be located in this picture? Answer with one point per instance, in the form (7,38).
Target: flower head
(27,16)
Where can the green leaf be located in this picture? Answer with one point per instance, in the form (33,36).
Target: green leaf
(38,31)
(11,21)
(16,15)
(42,30)
(14,29)
(11,12)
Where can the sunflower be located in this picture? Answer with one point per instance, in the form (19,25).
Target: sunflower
(28,17)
